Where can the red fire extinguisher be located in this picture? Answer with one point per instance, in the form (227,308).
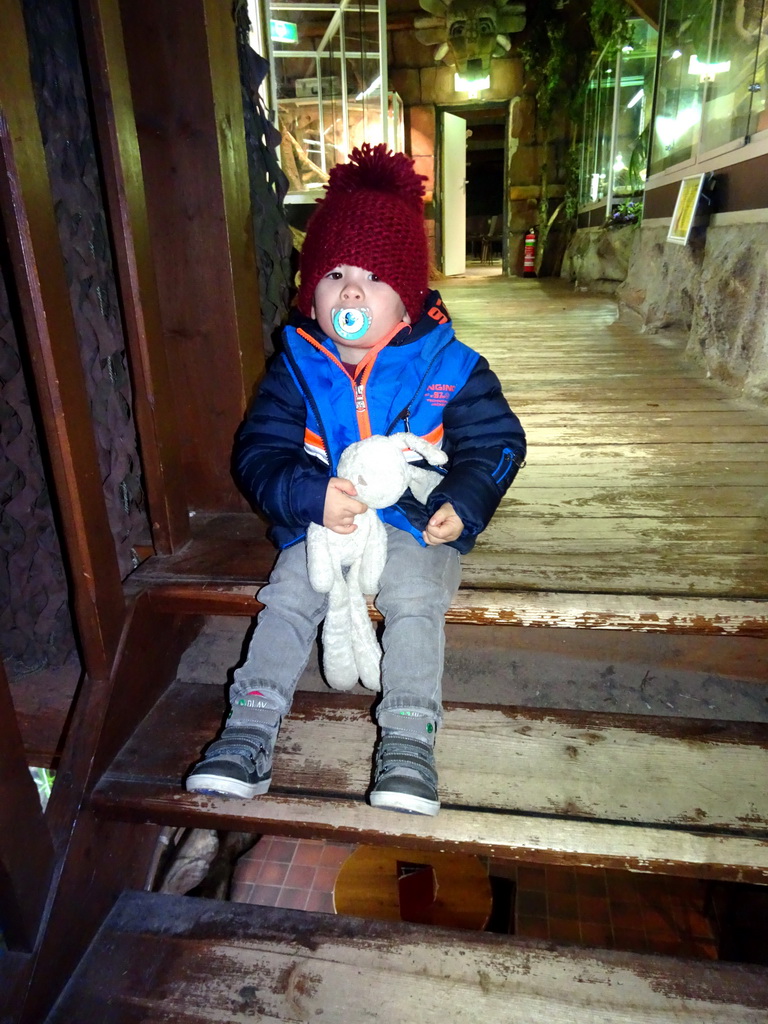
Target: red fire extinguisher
(529,254)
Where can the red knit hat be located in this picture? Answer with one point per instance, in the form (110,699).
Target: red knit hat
(372,216)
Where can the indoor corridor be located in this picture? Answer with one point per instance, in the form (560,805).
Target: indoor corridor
(643,477)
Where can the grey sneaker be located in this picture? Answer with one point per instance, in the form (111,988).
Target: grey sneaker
(239,763)
(405,777)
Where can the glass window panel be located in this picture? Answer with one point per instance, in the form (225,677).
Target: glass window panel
(728,72)
(327,87)
(589,150)
(638,62)
(363,76)
(685,34)
(606,88)
(300,78)
(758,115)
(598,122)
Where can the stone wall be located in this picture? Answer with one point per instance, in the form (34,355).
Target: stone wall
(597,259)
(714,290)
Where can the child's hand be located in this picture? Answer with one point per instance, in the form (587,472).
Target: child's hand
(341,506)
(444,526)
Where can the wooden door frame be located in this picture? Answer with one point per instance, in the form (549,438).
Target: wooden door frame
(465,110)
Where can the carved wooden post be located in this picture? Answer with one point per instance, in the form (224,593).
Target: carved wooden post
(27,211)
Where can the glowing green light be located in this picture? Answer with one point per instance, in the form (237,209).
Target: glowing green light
(283,31)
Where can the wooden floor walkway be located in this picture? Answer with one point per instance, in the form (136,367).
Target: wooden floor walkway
(644,501)
(643,477)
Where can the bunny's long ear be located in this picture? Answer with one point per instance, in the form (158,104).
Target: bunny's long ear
(434,456)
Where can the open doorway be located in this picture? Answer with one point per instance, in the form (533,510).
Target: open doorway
(481,202)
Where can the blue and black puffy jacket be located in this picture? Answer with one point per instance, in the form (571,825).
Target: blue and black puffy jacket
(309,408)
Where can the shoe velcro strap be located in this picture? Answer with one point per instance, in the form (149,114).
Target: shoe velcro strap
(415,756)
(252,735)
(405,745)
(245,745)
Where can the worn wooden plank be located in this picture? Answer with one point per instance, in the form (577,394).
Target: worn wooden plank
(609,408)
(544,397)
(620,430)
(646,574)
(603,535)
(668,457)
(644,479)
(159,958)
(652,501)
(671,795)
(654,613)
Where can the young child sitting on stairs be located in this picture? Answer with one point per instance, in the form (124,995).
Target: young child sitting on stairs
(370,350)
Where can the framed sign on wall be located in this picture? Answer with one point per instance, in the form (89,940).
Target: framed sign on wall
(685,209)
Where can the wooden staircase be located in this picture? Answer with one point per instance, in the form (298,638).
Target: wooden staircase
(673,796)
(160,958)
(606,790)
(593,537)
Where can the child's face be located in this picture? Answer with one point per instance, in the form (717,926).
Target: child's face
(352,288)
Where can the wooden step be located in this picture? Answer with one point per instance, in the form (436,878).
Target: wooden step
(676,796)
(229,559)
(161,958)
(649,613)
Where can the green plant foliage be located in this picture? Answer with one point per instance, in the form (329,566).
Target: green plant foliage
(562,41)
(44,782)
(553,61)
(609,23)
(638,158)
(628,212)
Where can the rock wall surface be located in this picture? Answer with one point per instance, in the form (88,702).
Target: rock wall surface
(715,290)
(597,259)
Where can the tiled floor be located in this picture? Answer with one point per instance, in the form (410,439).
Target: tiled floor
(298,874)
(612,909)
(604,909)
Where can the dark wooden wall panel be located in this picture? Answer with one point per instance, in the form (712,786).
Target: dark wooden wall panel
(182,62)
(742,186)
(64,113)
(154,403)
(27,212)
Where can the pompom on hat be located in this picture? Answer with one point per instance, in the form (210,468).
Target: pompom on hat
(372,216)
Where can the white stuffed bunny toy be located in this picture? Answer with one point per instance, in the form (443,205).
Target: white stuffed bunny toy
(349,566)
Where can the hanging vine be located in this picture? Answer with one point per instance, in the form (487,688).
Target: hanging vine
(609,23)
(562,42)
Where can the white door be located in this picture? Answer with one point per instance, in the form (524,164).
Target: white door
(454,187)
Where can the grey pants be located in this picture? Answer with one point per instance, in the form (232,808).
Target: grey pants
(417,587)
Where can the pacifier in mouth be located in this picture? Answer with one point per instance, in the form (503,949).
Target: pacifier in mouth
(350,323)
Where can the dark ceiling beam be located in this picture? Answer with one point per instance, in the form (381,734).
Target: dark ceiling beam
(647,9)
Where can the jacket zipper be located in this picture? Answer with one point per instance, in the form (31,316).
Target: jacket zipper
(507,460)
(313,405)
(405,414)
